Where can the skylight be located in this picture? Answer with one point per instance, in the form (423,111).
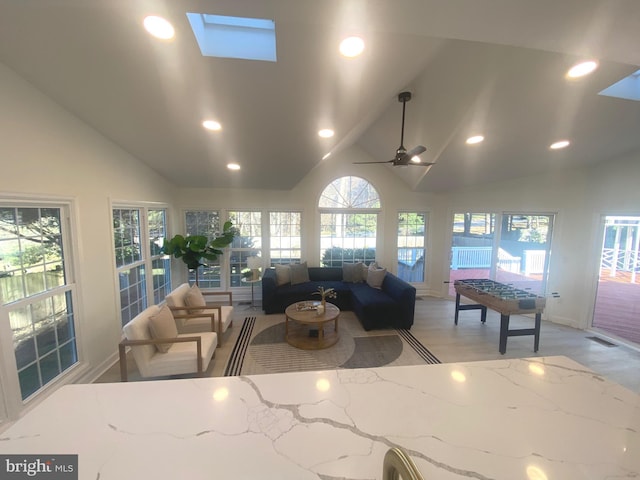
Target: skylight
(627,88)
(234,37)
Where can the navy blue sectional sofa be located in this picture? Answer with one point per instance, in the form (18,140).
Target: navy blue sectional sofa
(391,306)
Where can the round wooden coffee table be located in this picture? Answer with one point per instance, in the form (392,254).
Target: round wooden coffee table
(307,330)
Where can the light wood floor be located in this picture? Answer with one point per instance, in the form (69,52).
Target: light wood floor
(470,341)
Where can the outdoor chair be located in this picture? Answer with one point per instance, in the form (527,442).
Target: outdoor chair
(194,314)
(159,350)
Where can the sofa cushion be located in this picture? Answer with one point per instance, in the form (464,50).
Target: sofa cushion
(283,275)
(299,273)
(375,276)
(353,272)
(162,325)
(194,298)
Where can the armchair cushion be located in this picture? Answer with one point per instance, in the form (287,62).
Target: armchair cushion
(192,319)
(163,325)
(194,298)
(181,358)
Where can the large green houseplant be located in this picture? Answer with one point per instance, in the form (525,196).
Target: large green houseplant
(193,249)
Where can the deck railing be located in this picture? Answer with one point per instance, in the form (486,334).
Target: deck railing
(480,257)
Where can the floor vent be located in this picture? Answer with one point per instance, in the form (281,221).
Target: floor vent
(602,341)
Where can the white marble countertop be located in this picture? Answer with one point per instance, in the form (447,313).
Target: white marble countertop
(536,419)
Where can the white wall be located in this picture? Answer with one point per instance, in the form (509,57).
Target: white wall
(47,152)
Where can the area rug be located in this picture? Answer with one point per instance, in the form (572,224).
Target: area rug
(261,348)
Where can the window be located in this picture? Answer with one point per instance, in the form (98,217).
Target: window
(411,246)
(160,264)
(207,223)
(248,243)
(516,253)
(285,240)
(36,292)
(133,228)
(349,209)
(129,263)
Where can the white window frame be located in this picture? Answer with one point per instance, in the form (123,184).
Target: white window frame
(146,259)
(407,247)
(11,402)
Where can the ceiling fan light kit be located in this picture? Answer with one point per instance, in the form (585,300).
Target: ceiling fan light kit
(403,157)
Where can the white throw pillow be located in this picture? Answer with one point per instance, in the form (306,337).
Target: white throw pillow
(375,277)
(162,325)
(194,298)
(283,275)
(299,273)
(352,272)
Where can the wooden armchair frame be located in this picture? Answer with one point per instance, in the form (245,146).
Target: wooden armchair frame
(196,312)
(154,341)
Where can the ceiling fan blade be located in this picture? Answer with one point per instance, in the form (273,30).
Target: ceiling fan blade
(416,151)
(368,163)
(421,164)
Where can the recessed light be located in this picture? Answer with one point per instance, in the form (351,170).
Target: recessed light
(474,139)
(559,144)
(326,133)
(159,27)
(326,156)
(582,69)
(233,166)
(211,125)
(351,46)
(416,159)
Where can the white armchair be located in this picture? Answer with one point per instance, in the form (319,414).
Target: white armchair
(159,350)
(194,314)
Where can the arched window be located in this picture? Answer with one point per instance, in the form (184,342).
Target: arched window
(349,208)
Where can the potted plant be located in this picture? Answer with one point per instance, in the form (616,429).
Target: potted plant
(192,249)
(324,294)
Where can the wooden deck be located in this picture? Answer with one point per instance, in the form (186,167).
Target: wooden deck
(617,309)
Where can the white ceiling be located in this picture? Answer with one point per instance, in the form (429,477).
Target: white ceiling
(490,66)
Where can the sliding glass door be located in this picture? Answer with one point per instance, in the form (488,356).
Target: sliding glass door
(472,244)
(510,248)
(617,305)
(523,252)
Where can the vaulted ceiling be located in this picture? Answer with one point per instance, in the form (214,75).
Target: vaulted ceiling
(492,67)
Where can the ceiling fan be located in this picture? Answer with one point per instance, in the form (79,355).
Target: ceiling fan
(404,157)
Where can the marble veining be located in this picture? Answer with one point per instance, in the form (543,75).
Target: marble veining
(536,419)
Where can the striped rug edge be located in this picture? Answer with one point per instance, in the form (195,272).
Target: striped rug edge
(420,349)
(236,359)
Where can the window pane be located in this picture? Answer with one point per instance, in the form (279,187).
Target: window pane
(525,242)
(347,237)
(161,279)
(471,246)
(133,299)
(349,192)
(207,223)
(126,231)
(32,256)
(247,244)
(411,246)
(161,271)
(285,237)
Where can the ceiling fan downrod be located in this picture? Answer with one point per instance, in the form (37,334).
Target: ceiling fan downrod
(403,97)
